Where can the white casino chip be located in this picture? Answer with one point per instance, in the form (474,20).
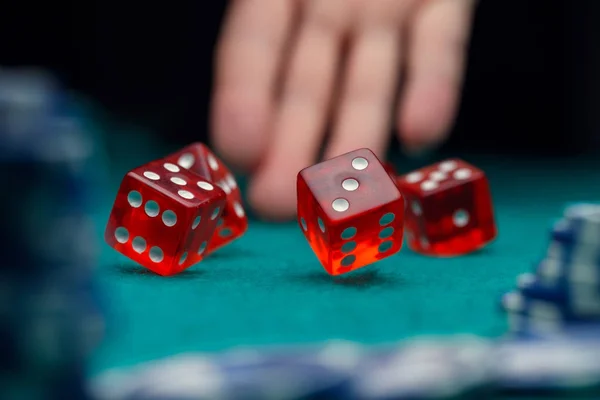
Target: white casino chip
(427,369)
(584,218)
(547,364)
(182,377)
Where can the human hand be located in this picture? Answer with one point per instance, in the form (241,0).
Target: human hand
(288,71)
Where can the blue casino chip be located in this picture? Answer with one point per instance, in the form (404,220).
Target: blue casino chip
(589,330)
(542,316)
(533,326)
(49,243)
(48,162)
(579,298)
(554,272)
(28,99)
(583,223)
(571,246)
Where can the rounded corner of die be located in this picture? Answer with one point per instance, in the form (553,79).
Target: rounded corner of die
(133,175)
(301,176)
(219,192)
(366,152)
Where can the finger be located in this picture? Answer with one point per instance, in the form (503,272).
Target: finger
(364,114)
(247,64)
(436,65)
(299,124)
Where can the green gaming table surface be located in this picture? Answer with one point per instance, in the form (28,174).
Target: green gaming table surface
(268,287)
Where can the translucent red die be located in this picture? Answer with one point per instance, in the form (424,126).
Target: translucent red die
(199,159)
(449,209)
(350,211)
(391,170)
(164,217)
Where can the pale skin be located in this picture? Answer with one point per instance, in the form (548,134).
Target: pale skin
(288,72)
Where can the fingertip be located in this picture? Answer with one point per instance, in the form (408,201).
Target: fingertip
(425,117)
(240,130)
(273,196)
(416,141)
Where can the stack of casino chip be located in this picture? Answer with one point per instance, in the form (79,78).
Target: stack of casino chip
(287,373)
(458,367)
(50,314)
(427,368)
(564,288)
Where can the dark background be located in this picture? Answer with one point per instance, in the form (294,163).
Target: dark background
(531,82)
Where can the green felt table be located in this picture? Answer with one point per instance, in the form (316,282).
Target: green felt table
(268,287)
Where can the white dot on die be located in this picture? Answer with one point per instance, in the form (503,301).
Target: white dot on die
(340,205)
(225,186)
(202,248)
(321,224)
(231,181)
(196,222)
(178,181)
(348,247)
(416,208)
(212,163)
(134,198)
(171,167)
(350,184)
(151,208)
(121,234)
(437,176)
(360,163)
(138,244)
(348,233)
(387,219)
(183,258)
(447,166)
(348,260)
(169,218)
(460,218)
(414,177)
(463,173)
(303,224)
(205,185)
(385,246)
(215,213)
(239,210)
(429,185)
(386,232)
(151,175)
(186,160)
(156,254)
(185,194)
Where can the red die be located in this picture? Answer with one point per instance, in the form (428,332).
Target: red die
(350,211)
(449,209)
(391,170)
(164,216)
(199,159)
